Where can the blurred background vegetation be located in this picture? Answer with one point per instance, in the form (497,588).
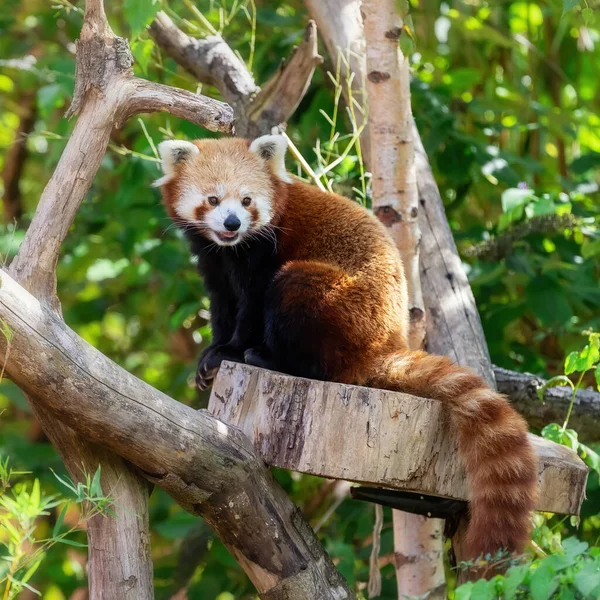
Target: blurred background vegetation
(506,95)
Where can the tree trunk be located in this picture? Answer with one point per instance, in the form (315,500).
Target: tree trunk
(418,547)
(284,560)
(210,468)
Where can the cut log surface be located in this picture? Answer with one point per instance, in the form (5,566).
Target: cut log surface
(369,436)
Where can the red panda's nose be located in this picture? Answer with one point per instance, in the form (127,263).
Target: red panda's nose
(232,223)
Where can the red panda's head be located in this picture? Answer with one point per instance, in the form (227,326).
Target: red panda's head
(225,189)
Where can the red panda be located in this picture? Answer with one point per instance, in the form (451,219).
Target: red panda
(309,283)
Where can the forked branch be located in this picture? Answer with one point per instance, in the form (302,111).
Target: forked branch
(212,61)
(210,468)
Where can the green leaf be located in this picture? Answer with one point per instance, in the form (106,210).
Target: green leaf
(512,581)
(574,547)
(407,41)
(59,521)
(590,248)
(142,52)
(140,13)
(65,483)
(543,584)
(96,487)
(588,16)
(548,301)
(484,590)
(571,363)
(403,7)
(541,206)
(566,593)
(71,543)
(597,374)
(590,458)
(32,569)
(464,591)
(553,432)
(35,494)
(587,358)
(514,197)
(568,5)
(588,578)
(586,162)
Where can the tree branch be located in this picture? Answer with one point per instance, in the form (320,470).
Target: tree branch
(210,468)
(119,560)
(503,244)
(212,61)
(453,324)
(521,389)
(149,97)
(280,96)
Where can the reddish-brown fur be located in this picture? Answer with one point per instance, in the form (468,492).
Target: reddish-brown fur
(341,292)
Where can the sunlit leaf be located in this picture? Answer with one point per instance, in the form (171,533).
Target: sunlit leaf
(140,13)
(59,521)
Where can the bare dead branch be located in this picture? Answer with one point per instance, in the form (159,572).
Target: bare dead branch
(148,97)
(280,96)
(106,94)
(212,61)
(453,324)
(208,467)
(521,389)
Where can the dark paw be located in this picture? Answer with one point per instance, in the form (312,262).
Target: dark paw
(259,357)
(211,360)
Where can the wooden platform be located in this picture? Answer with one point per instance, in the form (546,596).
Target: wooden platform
(373,437)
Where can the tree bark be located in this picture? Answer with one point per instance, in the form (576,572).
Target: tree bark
(418,548)
(391,440)
(395,193)
(210,468)
(119,559)
(212,61)
(521,389)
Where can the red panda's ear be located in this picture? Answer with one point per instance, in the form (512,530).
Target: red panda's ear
(272,148)
(173,152)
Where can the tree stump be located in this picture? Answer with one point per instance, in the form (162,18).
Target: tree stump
(369,436)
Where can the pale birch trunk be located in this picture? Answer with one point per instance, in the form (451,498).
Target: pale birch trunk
(417,540)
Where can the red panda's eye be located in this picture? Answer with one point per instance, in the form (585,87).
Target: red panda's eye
(246,201)
(213,200)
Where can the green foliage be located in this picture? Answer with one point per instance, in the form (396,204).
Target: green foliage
(21,508)
(573,572)
(576,362)
(506,96)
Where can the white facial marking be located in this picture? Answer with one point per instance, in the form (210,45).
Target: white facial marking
(189,201)
(263,206)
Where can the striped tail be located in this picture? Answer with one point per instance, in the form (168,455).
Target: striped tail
(492,438)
